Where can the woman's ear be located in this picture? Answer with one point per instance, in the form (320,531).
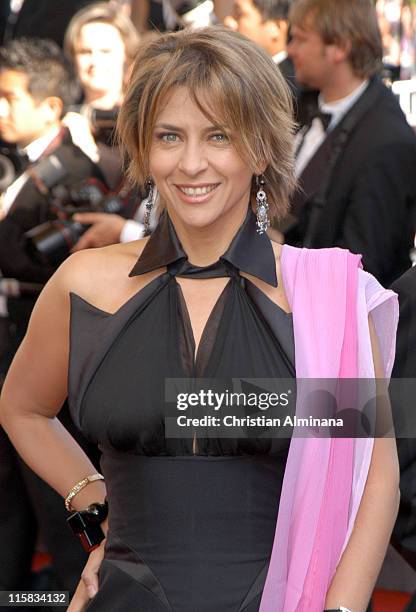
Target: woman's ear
(261,168)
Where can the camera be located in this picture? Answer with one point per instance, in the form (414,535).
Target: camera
(52,241)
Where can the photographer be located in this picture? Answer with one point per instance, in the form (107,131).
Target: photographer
(35,88)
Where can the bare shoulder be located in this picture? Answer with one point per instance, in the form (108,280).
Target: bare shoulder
(91,272)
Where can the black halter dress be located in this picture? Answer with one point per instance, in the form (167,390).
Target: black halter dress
(191,521)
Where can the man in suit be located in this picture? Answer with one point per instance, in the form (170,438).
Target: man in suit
(266,23)
(356,160)
(35,87)
(404,534)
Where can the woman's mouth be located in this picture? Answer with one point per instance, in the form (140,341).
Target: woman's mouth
(196,193)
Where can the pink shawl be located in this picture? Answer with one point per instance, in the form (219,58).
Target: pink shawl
(330,297)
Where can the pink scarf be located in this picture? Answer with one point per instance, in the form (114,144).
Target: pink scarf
(330,298)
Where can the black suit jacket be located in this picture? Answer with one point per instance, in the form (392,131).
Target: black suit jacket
(371,199)
(29,209)
(404,535)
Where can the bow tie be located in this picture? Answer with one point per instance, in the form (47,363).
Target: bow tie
(325,118)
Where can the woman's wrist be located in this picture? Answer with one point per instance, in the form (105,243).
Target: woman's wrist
(79,486)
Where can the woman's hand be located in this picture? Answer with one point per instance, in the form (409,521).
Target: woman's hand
(88,585)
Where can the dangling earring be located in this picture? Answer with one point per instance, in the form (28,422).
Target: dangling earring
(262,206)
(148,203)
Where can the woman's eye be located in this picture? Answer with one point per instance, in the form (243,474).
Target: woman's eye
(220,138)
(168,137)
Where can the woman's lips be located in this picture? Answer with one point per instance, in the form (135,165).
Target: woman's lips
(196,193)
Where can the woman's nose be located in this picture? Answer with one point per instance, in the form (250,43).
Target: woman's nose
(193,159)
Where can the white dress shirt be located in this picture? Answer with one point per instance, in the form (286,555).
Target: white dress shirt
(315,135)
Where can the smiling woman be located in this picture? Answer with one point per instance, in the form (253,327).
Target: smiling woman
(198,171)
(234,94)
(202,522)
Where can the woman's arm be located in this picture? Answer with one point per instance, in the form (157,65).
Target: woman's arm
(33,393)
(36,387)
(361,561)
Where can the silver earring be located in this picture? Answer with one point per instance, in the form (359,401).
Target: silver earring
(262,206)
(148,204)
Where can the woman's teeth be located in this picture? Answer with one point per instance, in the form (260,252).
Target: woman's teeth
(196,191)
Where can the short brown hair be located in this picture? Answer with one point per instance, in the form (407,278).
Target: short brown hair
(249,98)
(101,12)
(345,21)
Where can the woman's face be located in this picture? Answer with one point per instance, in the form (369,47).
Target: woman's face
(100,58)
(199,174)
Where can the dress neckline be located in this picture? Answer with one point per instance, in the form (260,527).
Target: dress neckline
(248,252)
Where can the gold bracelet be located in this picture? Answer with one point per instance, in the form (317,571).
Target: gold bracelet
(78,487)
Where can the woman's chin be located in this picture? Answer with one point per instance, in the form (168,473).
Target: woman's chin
(197,218)
(204,214)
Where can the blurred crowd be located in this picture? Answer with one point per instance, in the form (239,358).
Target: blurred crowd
(63,70)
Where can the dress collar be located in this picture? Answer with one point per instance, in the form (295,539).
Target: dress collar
(248,252)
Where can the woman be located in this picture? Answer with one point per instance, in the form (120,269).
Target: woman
(100,42)
(194,523)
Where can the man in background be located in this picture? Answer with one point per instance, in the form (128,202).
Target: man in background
(35,87)
(355,161)
(266,23)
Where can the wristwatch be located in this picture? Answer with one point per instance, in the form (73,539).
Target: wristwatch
(86,525)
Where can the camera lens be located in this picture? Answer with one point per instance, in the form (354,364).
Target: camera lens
(52,241)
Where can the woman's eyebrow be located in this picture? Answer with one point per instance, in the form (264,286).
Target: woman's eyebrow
(214,128)
(168,126)
(175,128)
